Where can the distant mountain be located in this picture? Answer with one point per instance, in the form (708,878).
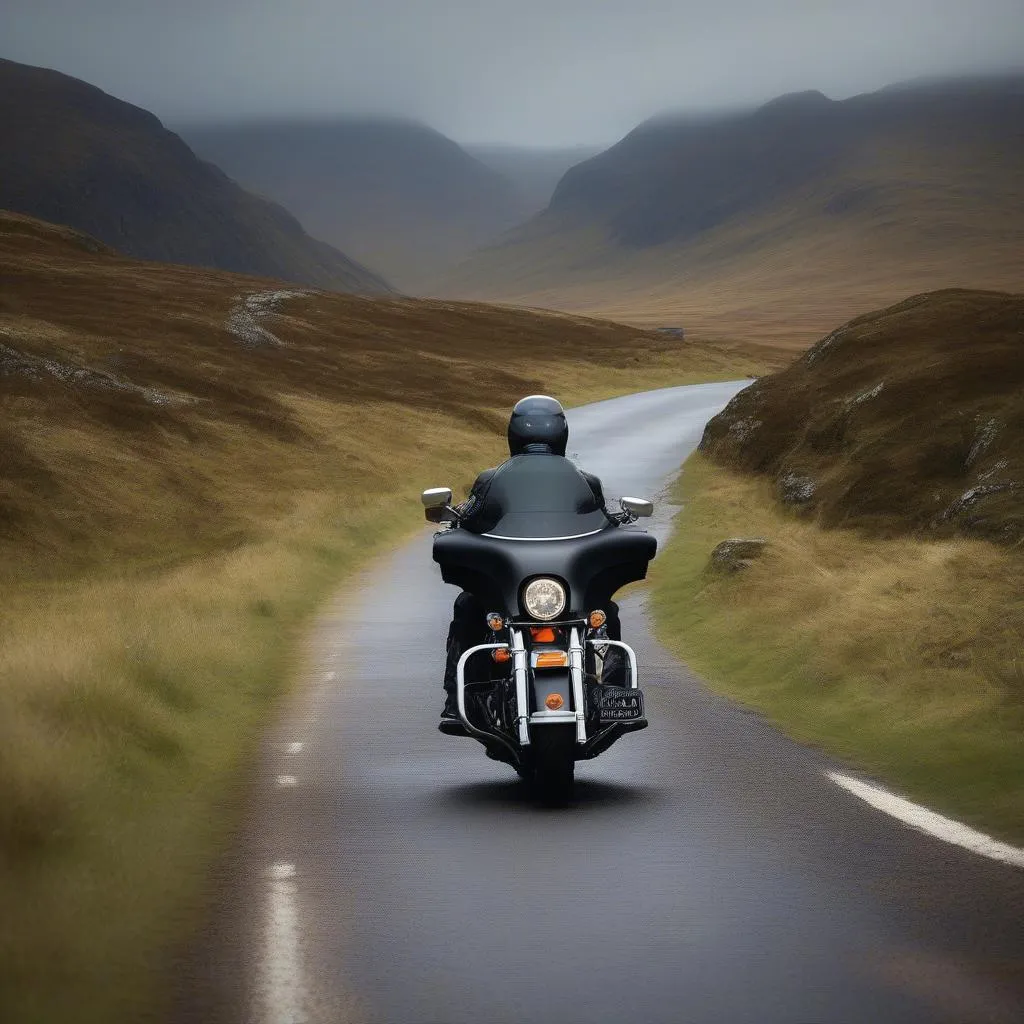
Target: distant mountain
(396,194)
(794,214)
(533,173)
(77,156)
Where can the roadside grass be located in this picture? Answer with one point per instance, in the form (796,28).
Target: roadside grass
(160,562)
(901,657)
(137,701)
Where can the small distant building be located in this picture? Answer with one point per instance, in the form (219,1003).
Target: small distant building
(676,332)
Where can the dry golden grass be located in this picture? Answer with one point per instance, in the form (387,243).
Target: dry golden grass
(159,562)
(777,282)
(900,656)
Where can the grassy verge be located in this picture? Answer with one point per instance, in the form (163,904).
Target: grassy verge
(902,657)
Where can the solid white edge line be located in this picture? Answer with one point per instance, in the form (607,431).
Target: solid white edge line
(933,824)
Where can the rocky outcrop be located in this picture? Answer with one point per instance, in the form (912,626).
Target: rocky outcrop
(794,489)
(736,554)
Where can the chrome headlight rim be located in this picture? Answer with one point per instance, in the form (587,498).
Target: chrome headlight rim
(531,599)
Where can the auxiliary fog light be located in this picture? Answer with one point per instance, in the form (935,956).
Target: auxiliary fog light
(597,619)
(554,702)
(495,622)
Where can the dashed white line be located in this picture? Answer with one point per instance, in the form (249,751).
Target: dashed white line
(287,780)
(928,821)
(295,748)
(330,676)
(282,968)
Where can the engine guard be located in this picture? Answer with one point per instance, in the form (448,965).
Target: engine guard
(589,741)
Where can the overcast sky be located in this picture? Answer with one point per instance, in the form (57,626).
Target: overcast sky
(536,72)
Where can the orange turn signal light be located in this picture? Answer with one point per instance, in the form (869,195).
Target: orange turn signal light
(495,622)
(597,619)
(543,634)
(552,659)
(554,702)
(501,655)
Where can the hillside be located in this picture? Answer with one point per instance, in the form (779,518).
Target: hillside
(74,155)
(136,355)
(775,222)
(906,420)
(395,194)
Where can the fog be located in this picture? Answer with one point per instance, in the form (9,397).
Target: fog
(524,72)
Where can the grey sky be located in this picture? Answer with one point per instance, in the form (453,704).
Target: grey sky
(539,72)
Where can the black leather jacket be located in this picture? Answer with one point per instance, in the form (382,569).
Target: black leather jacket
(536,494)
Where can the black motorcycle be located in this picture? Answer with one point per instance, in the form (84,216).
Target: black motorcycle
(550,687)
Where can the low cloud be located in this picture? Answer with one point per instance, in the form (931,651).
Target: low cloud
(540,72)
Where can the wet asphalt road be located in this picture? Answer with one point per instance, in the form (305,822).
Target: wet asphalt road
(708,872)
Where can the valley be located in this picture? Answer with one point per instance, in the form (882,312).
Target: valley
(233,353)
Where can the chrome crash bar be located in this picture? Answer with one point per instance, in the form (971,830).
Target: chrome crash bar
(522,682)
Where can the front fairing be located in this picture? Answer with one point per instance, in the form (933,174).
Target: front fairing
(592,567)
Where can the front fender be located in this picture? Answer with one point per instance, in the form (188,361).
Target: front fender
(543,684)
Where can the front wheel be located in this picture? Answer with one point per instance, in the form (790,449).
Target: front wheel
(554,763)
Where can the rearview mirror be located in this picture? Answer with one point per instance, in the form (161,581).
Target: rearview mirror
(639,508)
(437,497)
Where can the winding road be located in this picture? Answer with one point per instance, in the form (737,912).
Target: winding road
(710,871)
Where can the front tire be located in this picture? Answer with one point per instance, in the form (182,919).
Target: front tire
(554,763)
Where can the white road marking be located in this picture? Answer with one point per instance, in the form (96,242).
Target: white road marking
(282,970)
(330,676)
(928,821)
(295,748)
(287,780)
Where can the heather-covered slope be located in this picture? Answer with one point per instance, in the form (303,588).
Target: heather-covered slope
(908,419)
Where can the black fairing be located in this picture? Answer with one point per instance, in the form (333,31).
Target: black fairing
(592,567)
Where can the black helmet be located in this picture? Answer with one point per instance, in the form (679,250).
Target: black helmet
(537,425)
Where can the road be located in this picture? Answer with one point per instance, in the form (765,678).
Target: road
(708,872)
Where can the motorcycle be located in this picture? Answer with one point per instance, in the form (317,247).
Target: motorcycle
(549,687)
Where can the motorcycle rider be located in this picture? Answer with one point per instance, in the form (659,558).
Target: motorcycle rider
(537,430)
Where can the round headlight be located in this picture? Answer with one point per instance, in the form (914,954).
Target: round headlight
(544,599)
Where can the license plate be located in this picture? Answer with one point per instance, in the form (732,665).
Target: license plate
(621,704)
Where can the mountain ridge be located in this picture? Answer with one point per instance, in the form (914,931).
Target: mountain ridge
(779,219)
(78,156)
(394,192)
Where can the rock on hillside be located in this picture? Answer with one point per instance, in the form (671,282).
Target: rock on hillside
(910,418)
(77,156)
